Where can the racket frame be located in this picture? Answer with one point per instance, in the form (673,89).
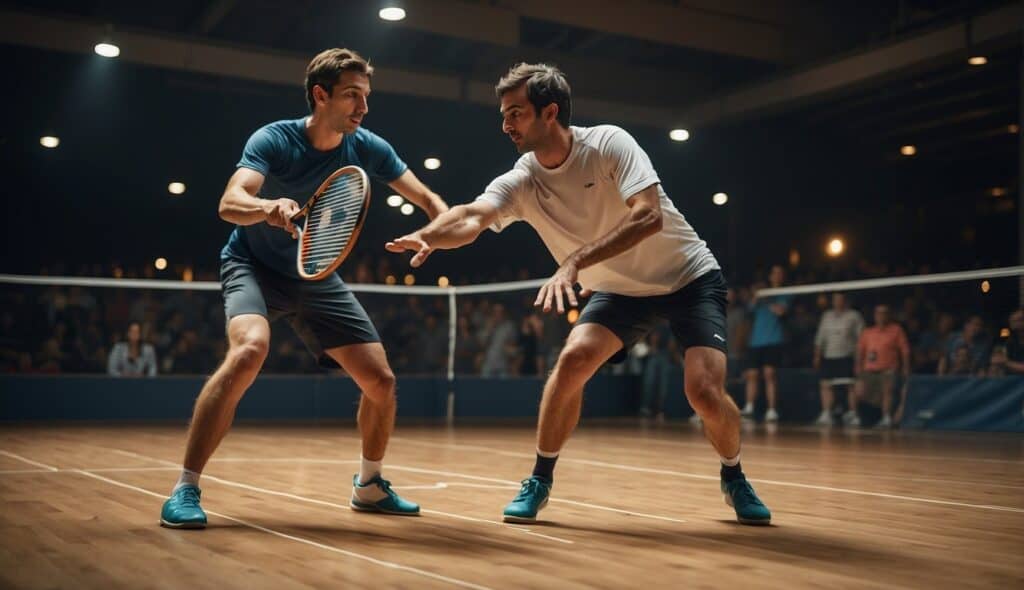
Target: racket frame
(355,231)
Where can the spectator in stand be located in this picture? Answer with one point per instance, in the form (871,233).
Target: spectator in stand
(881,351)
(932,344)
(1008,354)
(132,358)
(973,339)
(657,370)
(766,348)
(531,331)
(737,328)
(835,348)
(501,337)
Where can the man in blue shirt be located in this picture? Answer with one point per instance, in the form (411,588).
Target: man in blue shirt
(281,161)
(766,347)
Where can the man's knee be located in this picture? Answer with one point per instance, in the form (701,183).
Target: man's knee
(578,359)
(706,393)
(248,353)
(380,386)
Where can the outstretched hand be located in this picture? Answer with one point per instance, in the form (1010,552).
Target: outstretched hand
(413,243)
(559,289)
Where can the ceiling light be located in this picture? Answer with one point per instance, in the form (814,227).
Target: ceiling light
(107,49)
(392,13)
(835,247)
(908,150)
(395,201)
(176,188)
(49,141)
(720,198)
(679,135)
(977,60)
(432,163)
(407,209)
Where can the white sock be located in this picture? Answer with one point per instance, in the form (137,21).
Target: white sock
(368,469)
(731,462)
(547,454)
(187,478)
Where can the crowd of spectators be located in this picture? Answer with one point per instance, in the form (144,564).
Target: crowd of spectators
(181,331)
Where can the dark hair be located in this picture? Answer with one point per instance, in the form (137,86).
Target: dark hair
(327,66)
(544,85)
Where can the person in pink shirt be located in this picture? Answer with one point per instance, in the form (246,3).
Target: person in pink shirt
(881,351)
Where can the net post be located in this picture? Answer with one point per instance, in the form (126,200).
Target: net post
(453,323)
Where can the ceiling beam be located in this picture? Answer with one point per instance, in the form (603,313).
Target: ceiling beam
(860,70)
(258,64)
(497,22)
(211,16)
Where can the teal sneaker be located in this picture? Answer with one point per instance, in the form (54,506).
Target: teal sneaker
(382,499)
(749,508)
(532,497)
(182,509)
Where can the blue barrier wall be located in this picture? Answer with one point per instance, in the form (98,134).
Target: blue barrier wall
(965,403)
(949,403)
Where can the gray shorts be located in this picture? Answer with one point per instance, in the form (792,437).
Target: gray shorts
(325,314)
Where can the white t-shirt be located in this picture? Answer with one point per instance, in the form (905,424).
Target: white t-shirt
(838,333)
(585,198)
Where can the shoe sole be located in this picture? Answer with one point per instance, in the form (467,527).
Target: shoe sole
(377,510)
(748,521)
(525,519)
(182,525)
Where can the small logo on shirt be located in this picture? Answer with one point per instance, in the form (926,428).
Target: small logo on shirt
(719,337)
(588,185)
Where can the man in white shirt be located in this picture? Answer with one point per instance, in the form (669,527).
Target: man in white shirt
(594,198)
(835,347)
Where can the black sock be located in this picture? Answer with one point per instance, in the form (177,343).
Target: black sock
(731,473)
(544,468)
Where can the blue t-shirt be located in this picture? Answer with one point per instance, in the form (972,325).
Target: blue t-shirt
(293,168)
(768,329)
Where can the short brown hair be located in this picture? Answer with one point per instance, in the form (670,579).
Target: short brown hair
(327,66)
(545,84)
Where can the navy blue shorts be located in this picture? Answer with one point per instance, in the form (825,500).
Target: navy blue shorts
(695,313)
(325,314)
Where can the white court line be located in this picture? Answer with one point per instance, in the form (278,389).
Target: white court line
(29,461)
(834,452)
(252,488)
(331,504)
(811,467)
(21,471)
(766,481)
(380,562)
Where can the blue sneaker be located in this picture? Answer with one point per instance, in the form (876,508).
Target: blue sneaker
(182,509)
(749,508)
(532,497)
(386,500)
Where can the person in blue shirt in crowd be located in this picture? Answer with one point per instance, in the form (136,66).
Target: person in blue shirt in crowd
(281,162)
(766,347)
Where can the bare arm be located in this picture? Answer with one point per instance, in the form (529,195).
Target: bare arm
(452,229)
(643,220)
(241,205)
(419,194)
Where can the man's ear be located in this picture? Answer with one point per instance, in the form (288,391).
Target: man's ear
(550,113)
(319,94)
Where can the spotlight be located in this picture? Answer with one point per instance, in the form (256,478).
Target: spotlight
(107,49)
(679,135)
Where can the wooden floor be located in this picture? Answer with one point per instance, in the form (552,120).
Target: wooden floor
(633,507)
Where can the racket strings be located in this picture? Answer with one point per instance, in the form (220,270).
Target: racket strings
(331,222)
